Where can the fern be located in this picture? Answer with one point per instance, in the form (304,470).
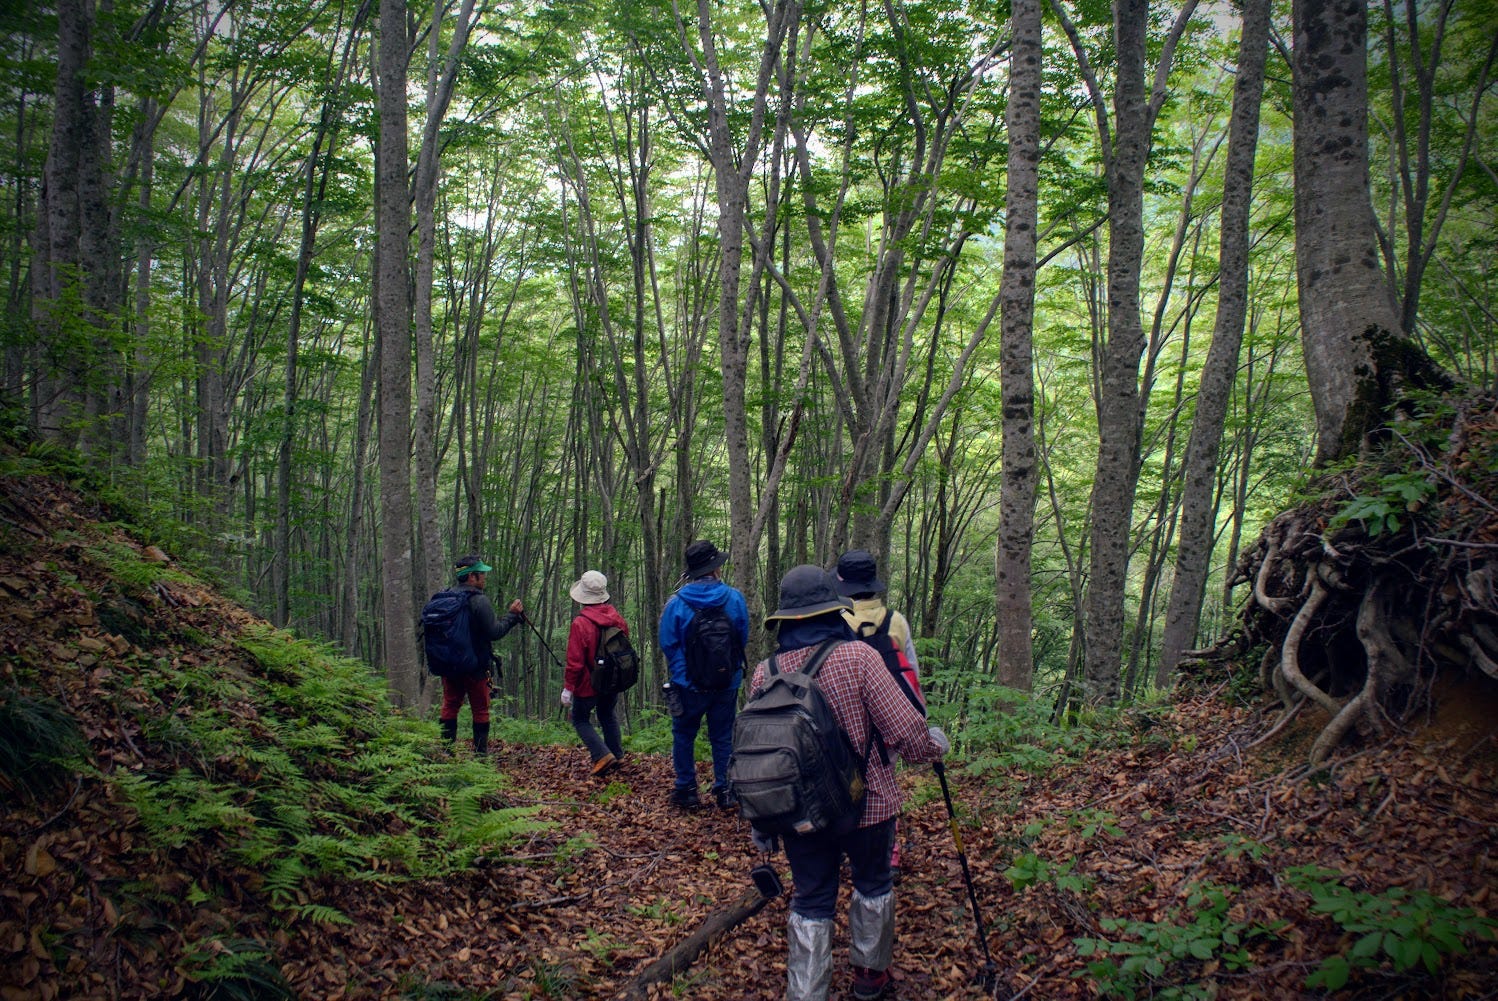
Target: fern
(41,744)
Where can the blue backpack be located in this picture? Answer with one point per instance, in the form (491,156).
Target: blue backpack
(448,636)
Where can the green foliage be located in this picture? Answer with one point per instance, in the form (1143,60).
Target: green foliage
(233,970)
(298,770)
(1163,957)
(1001,729)
(1394,496)
(133,575)
(41,744)
(1030,869)
(1409,928)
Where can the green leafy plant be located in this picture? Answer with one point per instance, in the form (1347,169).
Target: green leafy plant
(1395,496)
(1163,957)
(292,764)
(1409,928)
(1029,869)
(233,970)
(41,745)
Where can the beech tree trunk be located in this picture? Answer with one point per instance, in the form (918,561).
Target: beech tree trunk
(1350,332)
(393,332)
(1017,314)
(1198,500)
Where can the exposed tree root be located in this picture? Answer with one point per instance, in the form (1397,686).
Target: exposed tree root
(1358,618)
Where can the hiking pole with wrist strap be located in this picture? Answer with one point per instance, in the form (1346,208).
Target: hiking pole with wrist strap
(989,975)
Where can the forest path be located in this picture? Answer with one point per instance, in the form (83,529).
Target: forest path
(579,910)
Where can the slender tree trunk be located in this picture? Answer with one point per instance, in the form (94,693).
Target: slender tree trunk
(393,331)
(1017,290)
(1118,402)
(57,398)
(442,76)
(1197,532)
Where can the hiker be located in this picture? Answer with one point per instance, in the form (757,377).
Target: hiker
(862,694)
(858,578)
(883,628)
(485,628)
(591,592)
(704,629)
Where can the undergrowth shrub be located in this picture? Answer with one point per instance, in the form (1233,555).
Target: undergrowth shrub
(299,770)
(1406,928)
(233,970)
(998,729)
(1165,959)
(41,744)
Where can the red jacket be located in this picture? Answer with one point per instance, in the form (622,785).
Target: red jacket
(582,646)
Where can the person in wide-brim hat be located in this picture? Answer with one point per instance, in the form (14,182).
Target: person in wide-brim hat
(805,592)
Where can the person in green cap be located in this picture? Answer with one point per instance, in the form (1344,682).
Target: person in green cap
(484,627)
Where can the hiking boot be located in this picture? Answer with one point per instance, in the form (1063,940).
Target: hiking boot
(869,985)
(685,799)
(725,799)
(603,764)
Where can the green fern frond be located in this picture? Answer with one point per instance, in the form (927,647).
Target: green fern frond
(322,914)
(41,744)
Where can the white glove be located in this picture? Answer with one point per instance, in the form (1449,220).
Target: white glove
(566,696)
(939,739)
(764,842)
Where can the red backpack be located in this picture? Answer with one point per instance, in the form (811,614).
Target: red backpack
(876,635)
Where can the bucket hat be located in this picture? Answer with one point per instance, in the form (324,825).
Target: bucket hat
(702,559)
(592,588)
(856,573)
(806,591)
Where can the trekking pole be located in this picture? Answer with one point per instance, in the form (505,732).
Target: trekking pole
(989,975)
(544,645)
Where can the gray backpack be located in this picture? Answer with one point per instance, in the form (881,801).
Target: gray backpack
(793,768)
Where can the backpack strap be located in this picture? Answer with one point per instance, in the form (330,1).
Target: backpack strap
(810,671)
(811,667)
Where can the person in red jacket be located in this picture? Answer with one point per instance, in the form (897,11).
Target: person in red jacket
(591,592)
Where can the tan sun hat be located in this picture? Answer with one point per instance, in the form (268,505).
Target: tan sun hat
(592,588)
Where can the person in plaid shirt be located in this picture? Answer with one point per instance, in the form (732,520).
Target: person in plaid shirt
(862,694)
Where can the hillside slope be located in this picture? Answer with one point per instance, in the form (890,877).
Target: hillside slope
(1165,857)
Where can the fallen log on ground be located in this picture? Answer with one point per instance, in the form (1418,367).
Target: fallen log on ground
(685,953)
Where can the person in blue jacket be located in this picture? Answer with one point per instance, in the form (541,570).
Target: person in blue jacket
(704,629)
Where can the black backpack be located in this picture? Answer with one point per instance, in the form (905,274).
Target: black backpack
(877,636)
(712,649)
(448,636)
(616,666)
(793,768)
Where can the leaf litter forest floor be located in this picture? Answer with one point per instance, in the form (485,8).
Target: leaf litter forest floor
(1179,842)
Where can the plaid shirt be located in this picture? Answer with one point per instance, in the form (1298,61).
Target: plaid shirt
(861,690)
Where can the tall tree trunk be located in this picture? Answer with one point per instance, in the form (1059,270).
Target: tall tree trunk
(1125,155)
(441,78)
(393,331)
(1356,353)
(57,401)
(1017,315)
(1198,501)
(1118,401)
(732,169)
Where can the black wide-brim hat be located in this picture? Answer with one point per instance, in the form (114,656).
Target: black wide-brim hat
(857,573)
(703,558)
(806,591)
